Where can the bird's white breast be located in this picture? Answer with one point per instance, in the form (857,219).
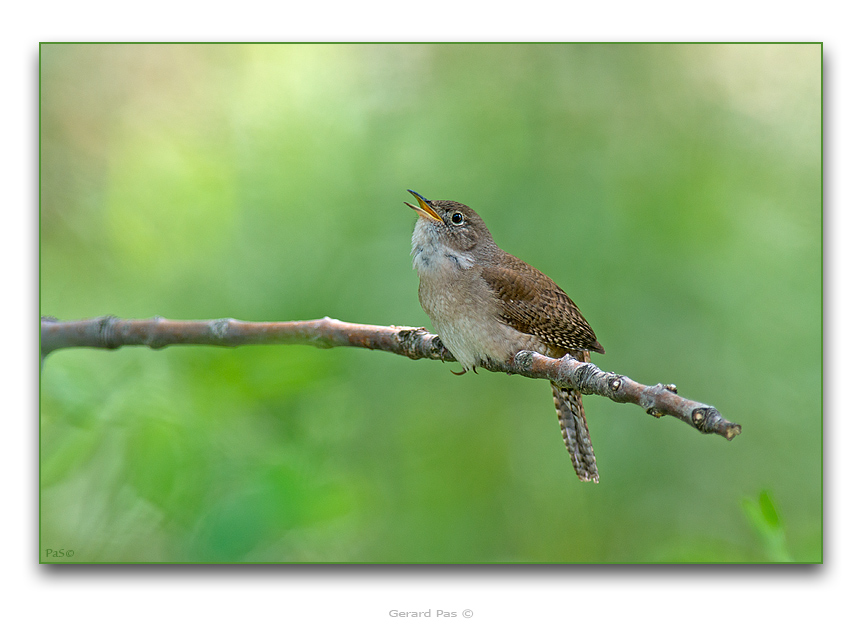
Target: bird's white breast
(461,305)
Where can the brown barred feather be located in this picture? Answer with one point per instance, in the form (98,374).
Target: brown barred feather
(533,304)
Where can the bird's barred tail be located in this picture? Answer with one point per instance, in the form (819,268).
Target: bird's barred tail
(573,424)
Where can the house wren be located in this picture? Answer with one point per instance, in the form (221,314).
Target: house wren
(488,305)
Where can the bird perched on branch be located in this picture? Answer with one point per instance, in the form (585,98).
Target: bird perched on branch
(487,305)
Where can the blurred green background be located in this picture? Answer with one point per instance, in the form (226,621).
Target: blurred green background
(674,191)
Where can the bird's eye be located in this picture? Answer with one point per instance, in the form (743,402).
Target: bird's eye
(457,218)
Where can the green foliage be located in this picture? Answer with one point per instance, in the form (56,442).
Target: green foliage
(764,518)
(674,191)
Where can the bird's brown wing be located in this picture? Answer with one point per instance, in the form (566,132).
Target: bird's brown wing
(533,303)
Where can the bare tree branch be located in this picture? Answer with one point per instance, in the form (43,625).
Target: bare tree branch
(416,343)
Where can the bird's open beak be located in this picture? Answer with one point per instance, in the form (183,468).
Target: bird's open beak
(424,209)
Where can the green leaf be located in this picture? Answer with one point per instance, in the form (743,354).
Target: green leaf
(763,516)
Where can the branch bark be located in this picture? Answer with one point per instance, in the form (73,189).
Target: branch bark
(416,343)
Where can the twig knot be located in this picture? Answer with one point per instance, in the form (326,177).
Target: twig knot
(106,331)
